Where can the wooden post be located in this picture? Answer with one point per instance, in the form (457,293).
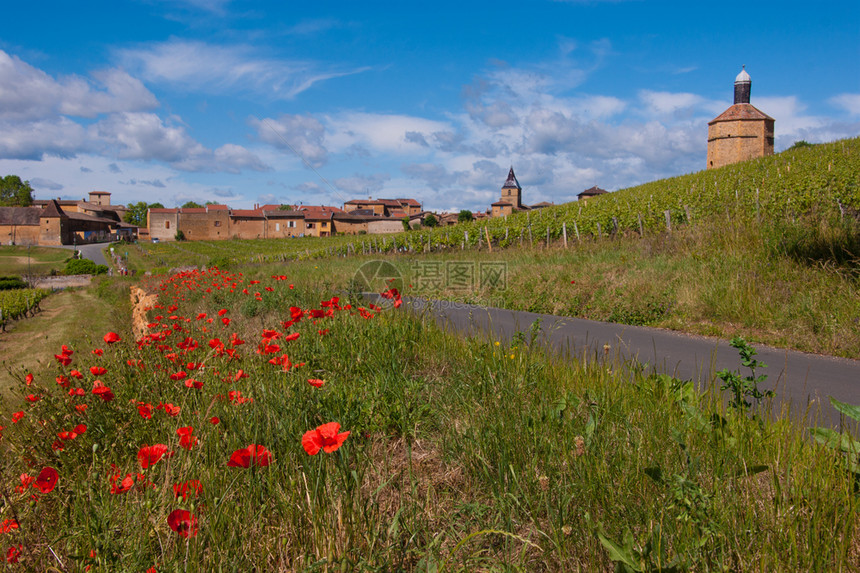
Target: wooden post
(506,234)
(641,228)
(757,215)
(689,216)
(576,230)
(465,239)
(547,236)
(489,244)
(614,225)
(564,233)
(599,232)
(668,220)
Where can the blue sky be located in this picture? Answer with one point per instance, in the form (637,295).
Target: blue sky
(322,102)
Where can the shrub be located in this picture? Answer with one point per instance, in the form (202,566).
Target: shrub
(84,267)
(10,283)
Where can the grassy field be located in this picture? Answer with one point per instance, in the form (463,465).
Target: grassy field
(29,345)
(42,260)
(462,455)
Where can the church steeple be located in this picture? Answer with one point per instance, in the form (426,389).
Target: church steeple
(743,83)
(511,182)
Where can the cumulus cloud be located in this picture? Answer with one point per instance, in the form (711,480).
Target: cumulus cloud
(362,185)
(300,134)
(36,139)
(29,93)
(214,68)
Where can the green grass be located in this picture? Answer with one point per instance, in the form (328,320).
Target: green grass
(463,455)
(42,260)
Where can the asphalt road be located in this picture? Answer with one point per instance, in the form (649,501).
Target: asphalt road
(802,382)
(91,251)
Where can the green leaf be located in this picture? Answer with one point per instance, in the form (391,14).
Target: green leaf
(618,553)
(849,410)
(835,440)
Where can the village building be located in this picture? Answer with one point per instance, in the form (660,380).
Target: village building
(589,193)
(65,222)
(384,207)
(741,132)
(511,199)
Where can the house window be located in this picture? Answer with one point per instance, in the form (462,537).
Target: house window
(291,224)
(310,225)
(167,224)
(217,223)
(277,226)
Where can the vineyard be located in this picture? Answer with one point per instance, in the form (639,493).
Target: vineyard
(824,177)
(18,303)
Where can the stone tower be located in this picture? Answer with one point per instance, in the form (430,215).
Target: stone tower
(512,192)
(741,132)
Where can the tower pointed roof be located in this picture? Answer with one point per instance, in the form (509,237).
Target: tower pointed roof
(511,182)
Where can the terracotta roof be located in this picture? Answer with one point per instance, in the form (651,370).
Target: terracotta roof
(364,202)
(511,182)
(592,192)
(163,210)
(320,208)
(217,208)
(20,215)
(61,202)
(542,204)
(354,216)
(192,210)
(410,202)
(99,192)
(501,204)
(282,214)
(91,218)
(52,210)
(741,112)
(400,214)
(247,213)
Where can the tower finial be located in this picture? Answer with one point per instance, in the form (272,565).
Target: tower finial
(743,84)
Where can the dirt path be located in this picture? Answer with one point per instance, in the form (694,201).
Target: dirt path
(74,317)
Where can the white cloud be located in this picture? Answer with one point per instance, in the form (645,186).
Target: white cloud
(301,134)
(381,132)
(213,68)
(34,140)
(848,102)
(664,103)
(27,93)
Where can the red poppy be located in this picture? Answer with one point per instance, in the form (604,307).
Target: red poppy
(97,370)
(8,525)
(316,382)
(325,437)
(150,455)
(28,379)
(63,359)
(104,392)
(192,383)
(292,336)
(66,350)
(80,429)
(252,455)
(145,411)
(17,417)
(183,490)
(76,374)
(225,321)
(63,381)
(171,410)
(26,481)
(222,312)
(81,408)
(183,522)
(111,337)
(323,332)
(124,485)
(46,480)
(186,438)
(98,352)
(214,420)
(201,316)
(178,375)
(32,398)
(14,553)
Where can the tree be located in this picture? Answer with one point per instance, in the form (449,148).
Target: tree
(431,221)
(191,205)
(465,216)
(136,212)
(406,226)
(14,192)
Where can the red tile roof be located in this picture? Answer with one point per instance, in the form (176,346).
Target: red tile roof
(217,207)
(741,112)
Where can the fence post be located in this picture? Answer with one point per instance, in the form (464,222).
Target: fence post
(689,216)
(668,220)
(614,225)
(547,236)
(576,230)
(641,230)
(564,233)
(489,244)
(599,232)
